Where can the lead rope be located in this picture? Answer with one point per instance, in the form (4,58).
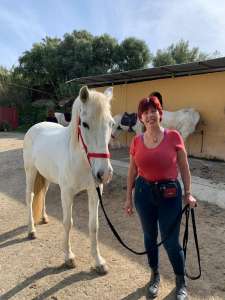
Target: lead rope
(185,241)
(185,210)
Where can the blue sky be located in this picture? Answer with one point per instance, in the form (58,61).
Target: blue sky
(158,22)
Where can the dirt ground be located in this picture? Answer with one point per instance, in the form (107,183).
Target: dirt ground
(33,269)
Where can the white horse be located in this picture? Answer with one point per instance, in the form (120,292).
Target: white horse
(184,120)
(61,119)
(53,153)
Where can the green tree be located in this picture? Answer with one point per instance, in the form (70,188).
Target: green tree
(4,75)
(177,54)
(11,93)
(39,66)
(75,52)
(103,54)
(132,54)
(50,63)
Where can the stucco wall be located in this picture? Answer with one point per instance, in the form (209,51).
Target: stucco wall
(205,93)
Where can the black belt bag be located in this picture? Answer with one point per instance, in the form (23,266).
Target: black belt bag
(168,189)
(162,190)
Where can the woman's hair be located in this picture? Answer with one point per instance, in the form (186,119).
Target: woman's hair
(146,103)
(158,95)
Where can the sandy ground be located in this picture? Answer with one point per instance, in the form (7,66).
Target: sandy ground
(33,269)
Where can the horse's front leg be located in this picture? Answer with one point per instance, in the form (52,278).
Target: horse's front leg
(67,204)
(100,264)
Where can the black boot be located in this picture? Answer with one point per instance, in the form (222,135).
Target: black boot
(181,288)
(153,286)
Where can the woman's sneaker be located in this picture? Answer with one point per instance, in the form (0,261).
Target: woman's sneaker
(153,286)
(181,289)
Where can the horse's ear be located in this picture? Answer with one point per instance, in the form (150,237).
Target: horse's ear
(109,92)
(84,94)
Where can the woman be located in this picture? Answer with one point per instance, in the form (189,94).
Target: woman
(155,157)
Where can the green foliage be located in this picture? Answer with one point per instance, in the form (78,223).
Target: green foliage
(177,54)
(54,61)
(163,58)
(132,54)
(30,115)
(75,51)
(13,91)
(103,54)
(4,77)
(64,90)
(39,66)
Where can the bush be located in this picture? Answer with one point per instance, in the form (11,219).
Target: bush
(29,115)
(5,126)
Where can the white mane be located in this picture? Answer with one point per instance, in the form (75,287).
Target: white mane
(100,107)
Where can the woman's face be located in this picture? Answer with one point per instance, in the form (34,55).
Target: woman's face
(151,117)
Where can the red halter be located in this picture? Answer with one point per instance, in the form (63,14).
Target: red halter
(91,154)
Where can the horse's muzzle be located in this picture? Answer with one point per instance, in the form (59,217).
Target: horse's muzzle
(104,177)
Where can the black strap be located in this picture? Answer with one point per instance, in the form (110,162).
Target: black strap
(113,229)
(120,239)
(185,241)
(186,209)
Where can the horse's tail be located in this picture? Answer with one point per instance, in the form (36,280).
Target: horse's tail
(39,187)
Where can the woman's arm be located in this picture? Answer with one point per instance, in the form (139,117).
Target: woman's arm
(184,170)
(132,174)
(186,176)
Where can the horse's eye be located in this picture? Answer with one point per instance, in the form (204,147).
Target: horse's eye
(85,125)
(112,124)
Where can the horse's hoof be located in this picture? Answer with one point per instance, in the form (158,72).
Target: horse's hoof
(44,220)
(32,235)
(70,263)
(102,269)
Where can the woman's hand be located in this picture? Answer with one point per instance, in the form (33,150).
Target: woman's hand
(189,199)
(128,207)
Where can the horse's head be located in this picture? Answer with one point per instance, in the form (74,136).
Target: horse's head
(96,125)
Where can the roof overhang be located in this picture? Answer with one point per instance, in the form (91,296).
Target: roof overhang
(170,71)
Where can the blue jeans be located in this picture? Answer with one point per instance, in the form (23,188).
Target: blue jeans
(162,212)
